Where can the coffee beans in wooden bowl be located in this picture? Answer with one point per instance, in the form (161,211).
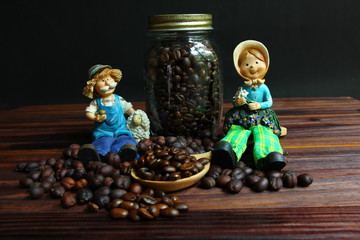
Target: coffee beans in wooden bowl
(170,169)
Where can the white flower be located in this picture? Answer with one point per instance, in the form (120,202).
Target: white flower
(243,93)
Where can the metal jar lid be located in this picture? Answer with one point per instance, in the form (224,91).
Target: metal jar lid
(180,22)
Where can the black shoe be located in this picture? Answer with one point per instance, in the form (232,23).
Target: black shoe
(88,153)
(274,161)
(223,155)
(128,153)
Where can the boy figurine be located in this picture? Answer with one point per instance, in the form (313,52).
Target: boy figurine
(251,114)
(107,111)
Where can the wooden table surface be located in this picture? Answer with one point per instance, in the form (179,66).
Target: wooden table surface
(323,140)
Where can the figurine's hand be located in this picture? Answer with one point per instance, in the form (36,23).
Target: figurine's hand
(240,101)
(254,106)
(100,118)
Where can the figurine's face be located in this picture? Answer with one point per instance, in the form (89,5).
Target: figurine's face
(106,86)
(252,67)
(137,119)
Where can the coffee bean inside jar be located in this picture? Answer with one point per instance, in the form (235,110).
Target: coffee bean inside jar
(184,88)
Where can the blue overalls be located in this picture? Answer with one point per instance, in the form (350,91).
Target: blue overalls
(112,134)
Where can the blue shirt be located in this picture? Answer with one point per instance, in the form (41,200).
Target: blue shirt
(261,95)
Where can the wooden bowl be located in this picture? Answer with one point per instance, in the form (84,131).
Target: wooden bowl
(171,186)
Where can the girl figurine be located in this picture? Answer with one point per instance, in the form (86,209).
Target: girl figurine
(107,111)
(251,114)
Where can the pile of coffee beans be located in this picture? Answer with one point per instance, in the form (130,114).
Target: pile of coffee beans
(168,164)
(99,185)
(233,180)
(184,89)
(191,145)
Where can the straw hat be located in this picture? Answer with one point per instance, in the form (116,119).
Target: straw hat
(247,45)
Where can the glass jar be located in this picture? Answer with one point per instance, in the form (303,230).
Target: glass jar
(184,93)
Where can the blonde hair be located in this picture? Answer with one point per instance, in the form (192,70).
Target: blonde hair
(88,90)
(253,51)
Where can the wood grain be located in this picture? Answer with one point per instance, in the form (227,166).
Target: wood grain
(323,139)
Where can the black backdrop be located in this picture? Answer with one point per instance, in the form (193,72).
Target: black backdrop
(47,47)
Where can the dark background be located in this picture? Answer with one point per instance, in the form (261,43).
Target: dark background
(47,47)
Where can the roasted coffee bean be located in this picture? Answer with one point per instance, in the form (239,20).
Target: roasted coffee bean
(117,193)
(51,162)
(82,183)
(68,200)
(26,182)
(304,180)
(68,183)
(234,185)
(84,195)
(213,174)
(154,210)
(237,173)
(76,164)
(34,175)
(181,207)
(119,213)
(115,203)
(96,181)
(226,172)
(104,190)
(259,173)
(128,205)
(32,166)
(134,215)
(273,173)
(208,182)
(61,173)
(169,169)
(48,179)
(222,180)
(20,167)
(122,181)
(174,176)
(169,212)
(92,207)
(145,214)
(57,191)
(251,180)
(136,188)
(289,179)
(78,174)
(129,196)
(204,161)
(147,199)
(167,200)
(275,183)
(101,200)
(36,192)
(46,186)
(248,170)
(261,185)
(158,193)
(47,172)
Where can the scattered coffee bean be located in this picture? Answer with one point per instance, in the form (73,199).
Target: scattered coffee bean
(289,179)
(68,200)
(234,185)
(119,213)
(36,192)
(304,180)
(275,183)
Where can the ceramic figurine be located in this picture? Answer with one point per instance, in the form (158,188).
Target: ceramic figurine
(251,115)
(107,110)
(139,124)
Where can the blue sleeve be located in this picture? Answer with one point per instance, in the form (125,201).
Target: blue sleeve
(267,99)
